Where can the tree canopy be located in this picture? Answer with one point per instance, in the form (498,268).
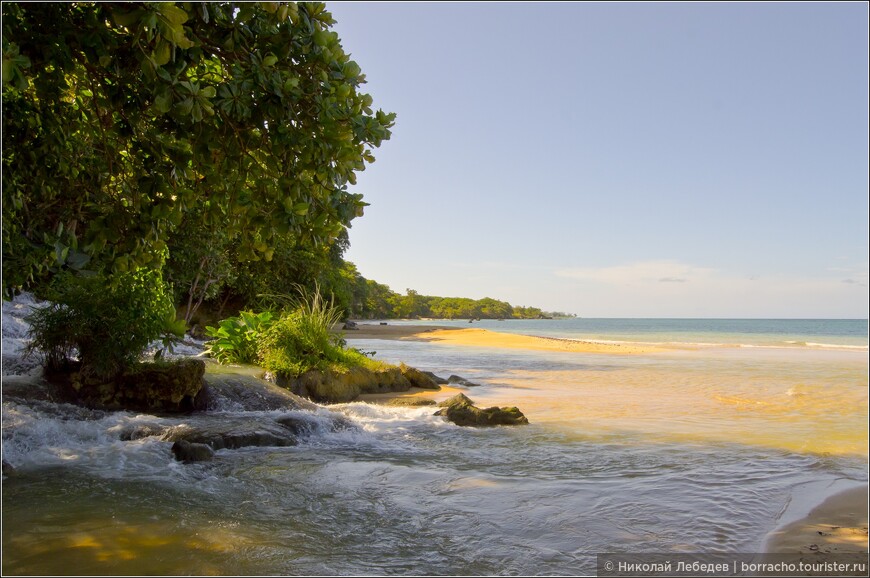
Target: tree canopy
(209,133)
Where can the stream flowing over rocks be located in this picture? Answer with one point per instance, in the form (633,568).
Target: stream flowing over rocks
(219,409)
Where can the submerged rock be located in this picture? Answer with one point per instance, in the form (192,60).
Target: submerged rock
(457,380)
(461,410)
(188,452)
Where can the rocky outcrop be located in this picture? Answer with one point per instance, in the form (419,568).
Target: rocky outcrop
(342,387)
(166,387)
(435,378)
(335,387)
(419,378)
(461,410)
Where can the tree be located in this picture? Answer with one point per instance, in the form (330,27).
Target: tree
(121,122)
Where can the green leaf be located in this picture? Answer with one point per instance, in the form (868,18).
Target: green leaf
(300,208)
(161,53)
(163,102)
(172,13)
(270,61)
(126,19)
(185,106)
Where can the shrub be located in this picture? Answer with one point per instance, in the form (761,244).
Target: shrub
(109,321)
(292,342)
(301,339)
(236,337)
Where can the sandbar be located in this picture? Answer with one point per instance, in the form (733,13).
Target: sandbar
(477,337)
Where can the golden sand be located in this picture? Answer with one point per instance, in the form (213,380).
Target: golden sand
(485,338)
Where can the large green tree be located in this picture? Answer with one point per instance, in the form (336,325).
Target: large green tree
(123,122)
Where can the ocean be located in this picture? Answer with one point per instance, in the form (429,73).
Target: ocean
(707,447)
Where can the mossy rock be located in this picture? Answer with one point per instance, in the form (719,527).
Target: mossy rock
(461,410)
(418,378)
(341,387)
(165,387)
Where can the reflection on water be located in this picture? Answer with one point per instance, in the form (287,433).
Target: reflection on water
(680,452)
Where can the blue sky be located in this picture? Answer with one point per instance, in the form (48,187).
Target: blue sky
(619,160)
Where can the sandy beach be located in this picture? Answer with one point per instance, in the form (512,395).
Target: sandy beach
(476,337)
(836,526)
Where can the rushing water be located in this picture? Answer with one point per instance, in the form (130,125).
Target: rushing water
(704,450)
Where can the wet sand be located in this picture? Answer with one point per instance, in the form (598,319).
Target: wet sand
(836,526)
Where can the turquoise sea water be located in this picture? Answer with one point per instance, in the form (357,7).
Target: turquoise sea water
(704,449)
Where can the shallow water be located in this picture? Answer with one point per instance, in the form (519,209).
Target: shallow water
(691,451)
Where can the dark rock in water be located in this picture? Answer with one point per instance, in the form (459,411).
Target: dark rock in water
(411,401)
(8,470)
(435,378)
(350,325)
(461,410)
(456,380)
(188,452)
(303,427)
(152,387)
(418,378)
(230,432)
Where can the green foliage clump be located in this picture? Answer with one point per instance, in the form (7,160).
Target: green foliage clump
(108,320)
(298,339)
(297,343)
(235,338)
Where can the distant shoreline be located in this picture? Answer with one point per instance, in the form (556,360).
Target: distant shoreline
(616,336)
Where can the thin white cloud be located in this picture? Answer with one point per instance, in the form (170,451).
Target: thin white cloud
(639,273)
(670,288)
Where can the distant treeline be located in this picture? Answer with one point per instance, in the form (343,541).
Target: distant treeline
(369,299)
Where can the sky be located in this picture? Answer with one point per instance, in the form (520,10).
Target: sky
(618,160)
